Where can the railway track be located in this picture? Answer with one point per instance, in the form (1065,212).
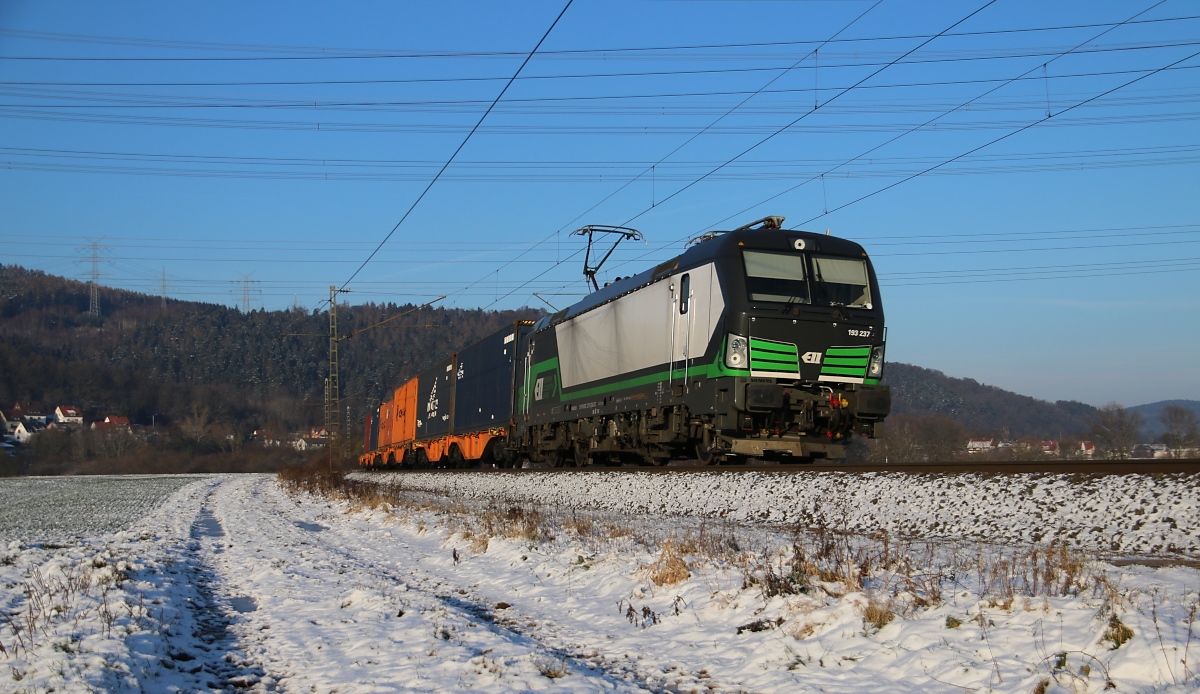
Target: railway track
(1089,467)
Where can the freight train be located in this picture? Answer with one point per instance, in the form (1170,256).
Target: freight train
(759,342)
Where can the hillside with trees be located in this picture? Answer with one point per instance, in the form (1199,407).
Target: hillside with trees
(166,363)
(982,409)
(212,374)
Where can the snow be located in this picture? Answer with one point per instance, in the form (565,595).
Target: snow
(232,583)
(57,508)
(1141,515)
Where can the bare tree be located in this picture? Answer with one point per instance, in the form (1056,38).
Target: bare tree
(1115,430)
(1028,448)
(917,438)
(1182,430)
(197,425)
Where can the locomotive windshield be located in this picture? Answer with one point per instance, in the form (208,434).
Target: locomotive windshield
(776,277)
(841,282)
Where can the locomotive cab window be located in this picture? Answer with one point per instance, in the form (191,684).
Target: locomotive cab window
(841,282)
(776,277)
(685,291)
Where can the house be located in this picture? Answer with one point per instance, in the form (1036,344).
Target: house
(1150,450)
(1050,447)
(68,414)
(308,444)
(265,438)
(35,414)
(17,431)
(113,424)
(981,445)
(30,412)
(17,412)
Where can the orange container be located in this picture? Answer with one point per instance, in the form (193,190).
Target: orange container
(385,423)
(404,414)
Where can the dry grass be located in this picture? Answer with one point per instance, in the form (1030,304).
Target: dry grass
(670,568)
(479,544)
(613,531)
(515,522)
(1117,633)
(582,527)
(877,613)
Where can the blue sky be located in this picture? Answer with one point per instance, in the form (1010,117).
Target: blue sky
(279,143)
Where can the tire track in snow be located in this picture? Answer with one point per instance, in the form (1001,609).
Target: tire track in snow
(429,619)
(214,648)
(541,631)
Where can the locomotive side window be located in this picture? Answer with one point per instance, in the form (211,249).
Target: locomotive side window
(776,277)
(685,291)
(841,282)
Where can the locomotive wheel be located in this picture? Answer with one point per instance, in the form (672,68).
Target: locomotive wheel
(582,456)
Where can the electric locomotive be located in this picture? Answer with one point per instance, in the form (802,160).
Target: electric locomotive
(759,342)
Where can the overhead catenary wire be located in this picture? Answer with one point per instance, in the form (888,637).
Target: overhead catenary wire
(695,135)
(996,140)
(964,104)
(821,176)
(816,108)
(461,145)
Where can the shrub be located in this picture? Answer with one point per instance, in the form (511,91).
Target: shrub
(670,568)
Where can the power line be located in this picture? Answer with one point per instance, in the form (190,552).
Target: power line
(559,231)
(568,130)
(777,171)
(816,107)
(1005,234)
(822,175)
(195,101)
(593,75)
(335,54)
(992,142)
(929,122)
(461,145)
(625,223)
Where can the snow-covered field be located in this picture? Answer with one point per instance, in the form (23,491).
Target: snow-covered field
(41,509)
(231,582)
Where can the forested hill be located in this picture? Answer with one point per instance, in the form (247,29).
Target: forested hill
(142,359)
(983,409)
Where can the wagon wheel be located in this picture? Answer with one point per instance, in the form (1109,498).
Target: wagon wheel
(490,459)
(705,456)
(454,458)
(422,459)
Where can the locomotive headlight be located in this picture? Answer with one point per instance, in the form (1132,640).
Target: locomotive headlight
(737,355)
(875,366)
